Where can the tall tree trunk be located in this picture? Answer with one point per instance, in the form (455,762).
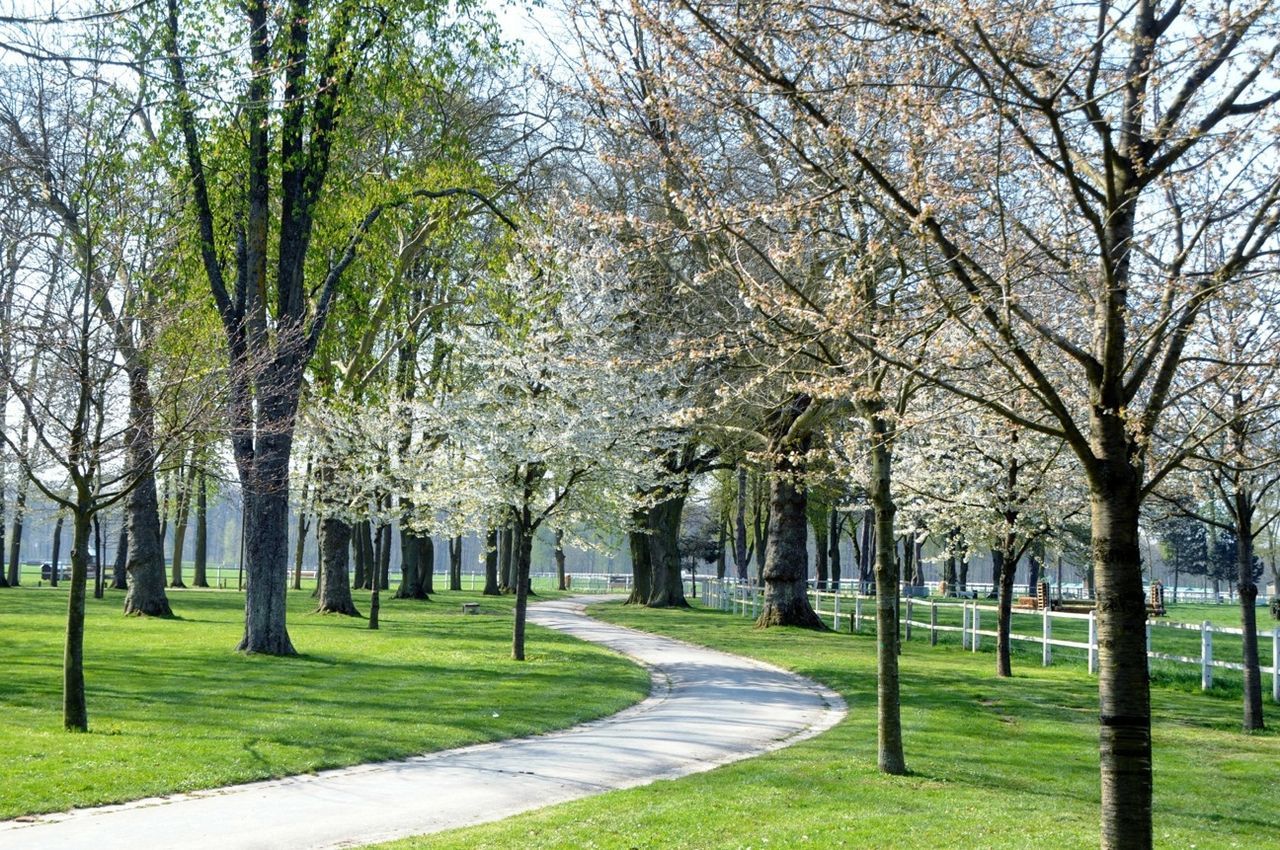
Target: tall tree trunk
(75,713)
(888,693)
(1253,720)
(365,529)
(410,555)
(118,581)
(786,565)
(335,591)
(666,584)
(524,553)
(560,577)
(266,490)
(1123,686)
(491,587)
(641,558)
(866,566)
(740,526)
(201,569)
(144,561)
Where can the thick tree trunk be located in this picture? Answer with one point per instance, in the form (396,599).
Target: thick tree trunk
(410,556)
(1123,686)
(786,566)
(267,539)
(99,574)
(505,559)
(641,567)
(335,591)
(1253,720)
(200,577)
(524,552)
(364,529)
(888,692)
(145,559)
(491,587)
(866,565)
(666,584)
(118,580)
(560,559)
(75,714)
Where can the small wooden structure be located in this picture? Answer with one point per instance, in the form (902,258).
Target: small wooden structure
(1155,605)
(471,607)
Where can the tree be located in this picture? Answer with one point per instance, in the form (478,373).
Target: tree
(331,61)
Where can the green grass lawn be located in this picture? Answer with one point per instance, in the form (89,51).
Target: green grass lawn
(173,708)
(995,763)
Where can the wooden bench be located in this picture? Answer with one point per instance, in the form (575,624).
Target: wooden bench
(471,607)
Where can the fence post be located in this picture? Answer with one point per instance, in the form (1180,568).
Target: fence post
(964,625)
(976,623)
(1275,664)
(857,614)
(933,624)
(908,623)
(835,618)
(1206,655)
(1046,634)
(1093,641)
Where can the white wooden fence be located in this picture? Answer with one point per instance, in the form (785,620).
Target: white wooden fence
(844,608)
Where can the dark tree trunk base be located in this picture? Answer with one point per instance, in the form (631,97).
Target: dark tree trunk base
(148,608)
(276,647)
(667,602)
(347,609)
(793,614)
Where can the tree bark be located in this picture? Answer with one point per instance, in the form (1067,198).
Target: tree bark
(491,587)
(182,514)
(15,539)
(75,714)
(833,553)
(524,552)
(820,546)
(427,563)
(384,560)
(1123,687)
(144,561)
(506,559)
(1004,618)
(200,577)
(888,691)
(335,590)
(786,565)
(118,581)
(56,555)
(267,529)
(298,550)
(666,584)
(455,563)
(410,555)
(360,554)
(1248,590)
(740,526)
(560,559)
(641,567)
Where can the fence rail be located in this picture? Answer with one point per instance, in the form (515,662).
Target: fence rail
(848,608)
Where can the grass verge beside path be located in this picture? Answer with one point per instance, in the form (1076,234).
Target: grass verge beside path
(995,764)
(173,708)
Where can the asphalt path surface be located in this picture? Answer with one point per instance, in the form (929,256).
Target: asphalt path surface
(706,708)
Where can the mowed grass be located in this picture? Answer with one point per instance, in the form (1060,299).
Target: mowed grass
(995,763)
(173,708)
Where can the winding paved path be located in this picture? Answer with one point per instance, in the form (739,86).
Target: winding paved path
(707,708)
